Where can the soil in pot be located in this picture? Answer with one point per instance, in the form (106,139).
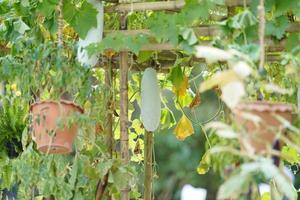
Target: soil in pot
(262,134)
(48,137)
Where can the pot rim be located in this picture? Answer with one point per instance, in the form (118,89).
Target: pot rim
(66,102)
(262,106)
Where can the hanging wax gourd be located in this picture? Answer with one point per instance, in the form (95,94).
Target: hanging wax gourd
(150,105)
(94,35)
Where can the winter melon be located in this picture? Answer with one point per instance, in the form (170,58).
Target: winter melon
(150,103)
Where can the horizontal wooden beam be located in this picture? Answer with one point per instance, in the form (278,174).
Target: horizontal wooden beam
(164,65)
(199,31)
(205,30)
(143,6)
(159,6)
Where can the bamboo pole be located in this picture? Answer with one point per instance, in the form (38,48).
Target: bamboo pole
(205,30)
(148,164)
(143,6)
(124,109)
(124,115)
(209,30)
(109,117)
(159,6)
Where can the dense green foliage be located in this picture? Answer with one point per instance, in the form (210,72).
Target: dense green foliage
(32,68)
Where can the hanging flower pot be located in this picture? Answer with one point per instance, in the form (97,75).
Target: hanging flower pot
(259,121)
(47,135)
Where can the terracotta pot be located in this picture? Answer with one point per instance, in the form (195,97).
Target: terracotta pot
(44,124)
(262,134)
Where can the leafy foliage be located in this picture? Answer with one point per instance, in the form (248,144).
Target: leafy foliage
(191,95)
(13,121)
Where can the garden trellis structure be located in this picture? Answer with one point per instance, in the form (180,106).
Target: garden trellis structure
(165,61)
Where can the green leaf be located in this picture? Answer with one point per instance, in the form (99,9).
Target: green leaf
(119,42)
(243,20)
(176,76)
(20,26)
(240,180)
(290,154)
(292,39)
(74,172)
(82,19)
(144,56)
(277,27)
(195,10)
(69,10)
(282,7)
(104,167)
(47,7)
(85,19)
(189,35)
(164,27)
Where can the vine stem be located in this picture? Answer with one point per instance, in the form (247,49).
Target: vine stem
(261,32)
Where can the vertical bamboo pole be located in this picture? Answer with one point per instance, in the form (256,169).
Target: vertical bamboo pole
(124,115)
(109,116)
(124,108)
(148,164)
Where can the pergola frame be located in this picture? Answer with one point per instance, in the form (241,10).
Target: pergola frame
(273,50)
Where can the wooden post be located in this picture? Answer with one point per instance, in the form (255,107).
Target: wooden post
(109,116)
(148,164)
(124,108)
(124,115)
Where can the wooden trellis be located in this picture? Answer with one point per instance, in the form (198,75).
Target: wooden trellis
(272,48)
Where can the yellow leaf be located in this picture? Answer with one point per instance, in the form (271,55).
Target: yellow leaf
(181,90)
(202,168)
(266,196)
(13,87)
(87,106)
(204,164)
(184,128)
